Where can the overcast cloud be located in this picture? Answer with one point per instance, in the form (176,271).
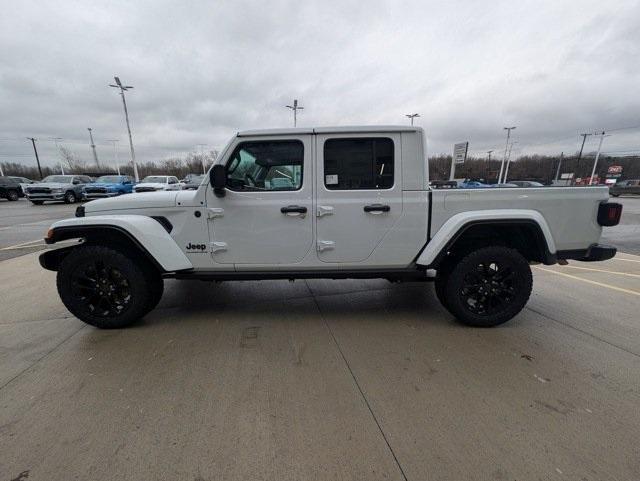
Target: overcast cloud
(203,70)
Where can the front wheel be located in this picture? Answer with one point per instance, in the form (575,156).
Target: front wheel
(488,286)
(69,198)
(104,287)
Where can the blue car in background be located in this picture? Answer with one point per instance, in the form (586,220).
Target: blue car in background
(108,186)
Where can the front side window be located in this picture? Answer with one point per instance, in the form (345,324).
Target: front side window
(266,165)
(358,163)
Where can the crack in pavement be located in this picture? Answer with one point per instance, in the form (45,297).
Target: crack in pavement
(357,384)
(45,355)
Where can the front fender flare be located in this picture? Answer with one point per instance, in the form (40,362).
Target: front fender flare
(459,222)
(144,231)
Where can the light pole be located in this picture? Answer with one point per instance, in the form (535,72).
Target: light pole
(55,141)
(115,154)
(584,139)
(504,157)
(506,170)
(93,147)
(35,150)
(295,107)
(412,116)
(123,89)
(595,162)
(487,169)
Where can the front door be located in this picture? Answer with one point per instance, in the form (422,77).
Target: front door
(265,218)
(359,196)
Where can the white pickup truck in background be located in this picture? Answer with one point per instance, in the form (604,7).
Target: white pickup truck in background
(344,202)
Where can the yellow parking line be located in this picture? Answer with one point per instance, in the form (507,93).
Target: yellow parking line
(627,254)
(602,270)
(588,281)
(618,258)
(15,248)
(22,245)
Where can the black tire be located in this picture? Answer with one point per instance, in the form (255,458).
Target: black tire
(70,197)
(488,286)
(104,287)
(615,195)
(13,195)
(156,288)
(440,284)
(37,202)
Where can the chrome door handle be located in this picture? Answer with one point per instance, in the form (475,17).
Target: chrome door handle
(324,245)
(324,210)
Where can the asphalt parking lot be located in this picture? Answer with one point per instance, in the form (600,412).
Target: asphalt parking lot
(317,380)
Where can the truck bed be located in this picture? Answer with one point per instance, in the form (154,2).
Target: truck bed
(570,212)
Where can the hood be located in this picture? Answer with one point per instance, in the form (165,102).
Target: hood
(133,201)
(52,185)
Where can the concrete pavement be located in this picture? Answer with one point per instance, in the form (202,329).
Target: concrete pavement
(324,380)
(23,225)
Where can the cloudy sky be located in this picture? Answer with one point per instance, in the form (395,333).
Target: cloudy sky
(203,70)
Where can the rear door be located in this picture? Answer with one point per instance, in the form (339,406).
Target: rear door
(359,194)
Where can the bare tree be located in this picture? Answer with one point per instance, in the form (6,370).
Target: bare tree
(74,163)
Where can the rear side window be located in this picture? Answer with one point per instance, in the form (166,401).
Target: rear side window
(358,163)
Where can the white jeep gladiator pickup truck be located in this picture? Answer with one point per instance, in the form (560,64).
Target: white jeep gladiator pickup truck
(344,202)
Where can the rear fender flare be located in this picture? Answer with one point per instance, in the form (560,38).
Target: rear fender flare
(458,223)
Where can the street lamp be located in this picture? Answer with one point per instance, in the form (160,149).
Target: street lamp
(504,157)
(595,162)
(295,107)
(412,116)
(123,89)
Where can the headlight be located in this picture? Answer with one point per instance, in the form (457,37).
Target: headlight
(56,191)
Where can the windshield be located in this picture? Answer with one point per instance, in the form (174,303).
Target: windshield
(109,179)
(59,179)
(155,179)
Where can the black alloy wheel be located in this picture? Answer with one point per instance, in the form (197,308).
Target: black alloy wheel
(489,286)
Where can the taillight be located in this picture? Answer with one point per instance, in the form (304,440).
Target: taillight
(609,214)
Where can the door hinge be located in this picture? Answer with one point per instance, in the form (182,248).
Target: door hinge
(218,246)
(213,212)
(324,210)
(324,245)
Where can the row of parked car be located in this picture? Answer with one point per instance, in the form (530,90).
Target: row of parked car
(74,188)
(476,184)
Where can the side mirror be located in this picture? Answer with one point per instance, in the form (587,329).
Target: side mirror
(218,178)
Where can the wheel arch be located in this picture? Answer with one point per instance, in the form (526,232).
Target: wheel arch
(142,235)
(526,231)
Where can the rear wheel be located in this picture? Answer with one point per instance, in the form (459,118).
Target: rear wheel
(104,287)
(70,197)
(12,195)
(488,286)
